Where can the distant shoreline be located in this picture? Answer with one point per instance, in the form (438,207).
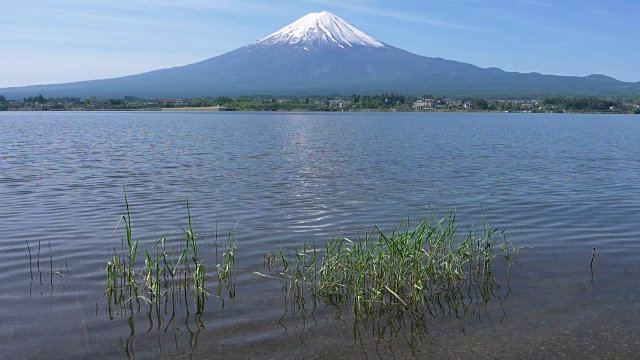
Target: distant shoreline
(353,103)
(210,110)
(203,109)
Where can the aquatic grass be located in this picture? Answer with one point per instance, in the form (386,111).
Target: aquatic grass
(393,282)
(39,269)
(132,246)
(30,262)
(165,271)
(114,273)
(227,269)
(424,268)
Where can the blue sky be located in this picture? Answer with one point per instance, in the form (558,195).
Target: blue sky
(45,42)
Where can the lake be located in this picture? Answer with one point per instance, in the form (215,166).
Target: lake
(559,185)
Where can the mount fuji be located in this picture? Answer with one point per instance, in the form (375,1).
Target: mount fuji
(319,54)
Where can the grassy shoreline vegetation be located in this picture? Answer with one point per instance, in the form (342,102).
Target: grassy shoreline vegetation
(382,102)
(388,281)
(426,269)
(170,269)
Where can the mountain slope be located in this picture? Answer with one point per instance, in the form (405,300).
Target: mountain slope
(323,54)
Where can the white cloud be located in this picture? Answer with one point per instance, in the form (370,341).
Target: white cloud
(603,12)
(227,5)
(535,3)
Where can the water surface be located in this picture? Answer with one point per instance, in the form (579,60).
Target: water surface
(559,184)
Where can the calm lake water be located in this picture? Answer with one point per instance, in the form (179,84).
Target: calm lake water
(559,185)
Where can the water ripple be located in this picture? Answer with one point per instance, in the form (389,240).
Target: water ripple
(559,185)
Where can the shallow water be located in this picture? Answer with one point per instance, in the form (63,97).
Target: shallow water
(559,185)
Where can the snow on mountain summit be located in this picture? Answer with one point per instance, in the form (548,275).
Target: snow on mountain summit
(316,30)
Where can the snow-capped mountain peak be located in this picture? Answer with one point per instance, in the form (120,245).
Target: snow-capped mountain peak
(316,30)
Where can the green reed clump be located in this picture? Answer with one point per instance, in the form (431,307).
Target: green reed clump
(300,273)
(427,267)
(165,270)
(227,269)
(121,268)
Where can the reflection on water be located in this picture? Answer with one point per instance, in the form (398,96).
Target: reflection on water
(175,321)
(385,333)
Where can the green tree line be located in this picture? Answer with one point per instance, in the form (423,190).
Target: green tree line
(582,104)
(385,101)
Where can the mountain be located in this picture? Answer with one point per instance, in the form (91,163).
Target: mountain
(321,53)
(319,30)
